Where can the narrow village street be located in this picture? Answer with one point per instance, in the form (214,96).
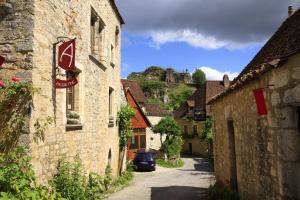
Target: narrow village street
(189,182)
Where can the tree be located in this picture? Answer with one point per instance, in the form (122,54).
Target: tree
(199,77)
(167,126)
(207,136)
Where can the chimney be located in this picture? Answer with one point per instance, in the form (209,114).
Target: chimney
(290,11)
(226,81)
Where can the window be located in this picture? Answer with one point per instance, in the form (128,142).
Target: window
(111,92)
(195,129)
(97,35)
(134,142)
(142,141)
(185,129)
(72,102)
(117,35)
(112,56)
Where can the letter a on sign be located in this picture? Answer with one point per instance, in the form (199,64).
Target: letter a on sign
(2,60)
(66,55)
(260,102)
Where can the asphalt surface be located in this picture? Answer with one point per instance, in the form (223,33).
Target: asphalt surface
(187,183)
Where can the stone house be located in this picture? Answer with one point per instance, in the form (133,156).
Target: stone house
(257,121)
(30,34)
(192,114)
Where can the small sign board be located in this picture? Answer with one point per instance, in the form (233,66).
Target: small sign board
(66,55)
(60,84)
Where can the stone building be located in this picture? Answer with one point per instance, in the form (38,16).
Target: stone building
(30,33)
(257,121)
(192,114)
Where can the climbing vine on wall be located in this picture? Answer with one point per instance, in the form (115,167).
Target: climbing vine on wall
(15,108)
(124,119)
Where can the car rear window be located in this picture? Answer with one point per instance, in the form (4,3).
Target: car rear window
(144,156)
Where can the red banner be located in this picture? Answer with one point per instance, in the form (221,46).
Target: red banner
(66,55)
(2,60)
(65,83)
(260,102)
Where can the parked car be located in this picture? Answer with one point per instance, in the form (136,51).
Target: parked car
(144,161)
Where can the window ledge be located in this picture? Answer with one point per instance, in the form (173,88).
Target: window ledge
(95,60)
(74,127)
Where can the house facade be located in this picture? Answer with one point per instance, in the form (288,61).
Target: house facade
(155,113)
(192,114)
(84,115)
(257,121)
(140,123)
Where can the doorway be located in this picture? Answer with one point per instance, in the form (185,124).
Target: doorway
(190,148)
(232,155)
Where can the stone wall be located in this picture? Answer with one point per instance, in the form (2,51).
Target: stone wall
(44,21)
(16,40)
(267,148)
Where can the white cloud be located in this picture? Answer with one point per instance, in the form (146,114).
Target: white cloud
(193,39)
(214,74)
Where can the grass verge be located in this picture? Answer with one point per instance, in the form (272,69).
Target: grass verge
(170,163)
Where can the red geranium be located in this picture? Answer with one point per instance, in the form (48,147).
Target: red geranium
(15,79)
(2,84)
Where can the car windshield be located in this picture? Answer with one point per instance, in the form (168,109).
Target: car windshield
(144,157)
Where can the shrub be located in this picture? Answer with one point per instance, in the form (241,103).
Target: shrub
(17,179)
(108,177)
(172,146)
(95,187)
(69,180)
(170,163)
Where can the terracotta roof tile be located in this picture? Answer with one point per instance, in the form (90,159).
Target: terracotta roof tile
(156,110)
(135,89)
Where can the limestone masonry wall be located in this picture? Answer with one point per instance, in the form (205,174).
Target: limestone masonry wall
(27,38)
(267,148)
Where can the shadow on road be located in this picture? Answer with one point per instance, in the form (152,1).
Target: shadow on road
(178,193)
(201,167)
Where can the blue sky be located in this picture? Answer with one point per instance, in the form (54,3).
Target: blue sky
(138,53)
(217,36)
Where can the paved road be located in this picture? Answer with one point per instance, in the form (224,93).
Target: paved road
(187,183)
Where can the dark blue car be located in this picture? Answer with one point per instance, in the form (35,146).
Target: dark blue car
(144,161)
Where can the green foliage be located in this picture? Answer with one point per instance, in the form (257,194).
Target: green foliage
(167,126)
(170,163)
(70,181)
(124,180)
(15,100)
(17,179)
(199,77)
(207,133)
(124,119)
(172,146)
(151,87)
(15,103)
(177,100)
(108,177)
(220,192)
(95,187)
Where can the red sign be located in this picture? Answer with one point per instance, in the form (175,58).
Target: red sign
(65,83)
(66,55)
(260,102)
(2,60)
